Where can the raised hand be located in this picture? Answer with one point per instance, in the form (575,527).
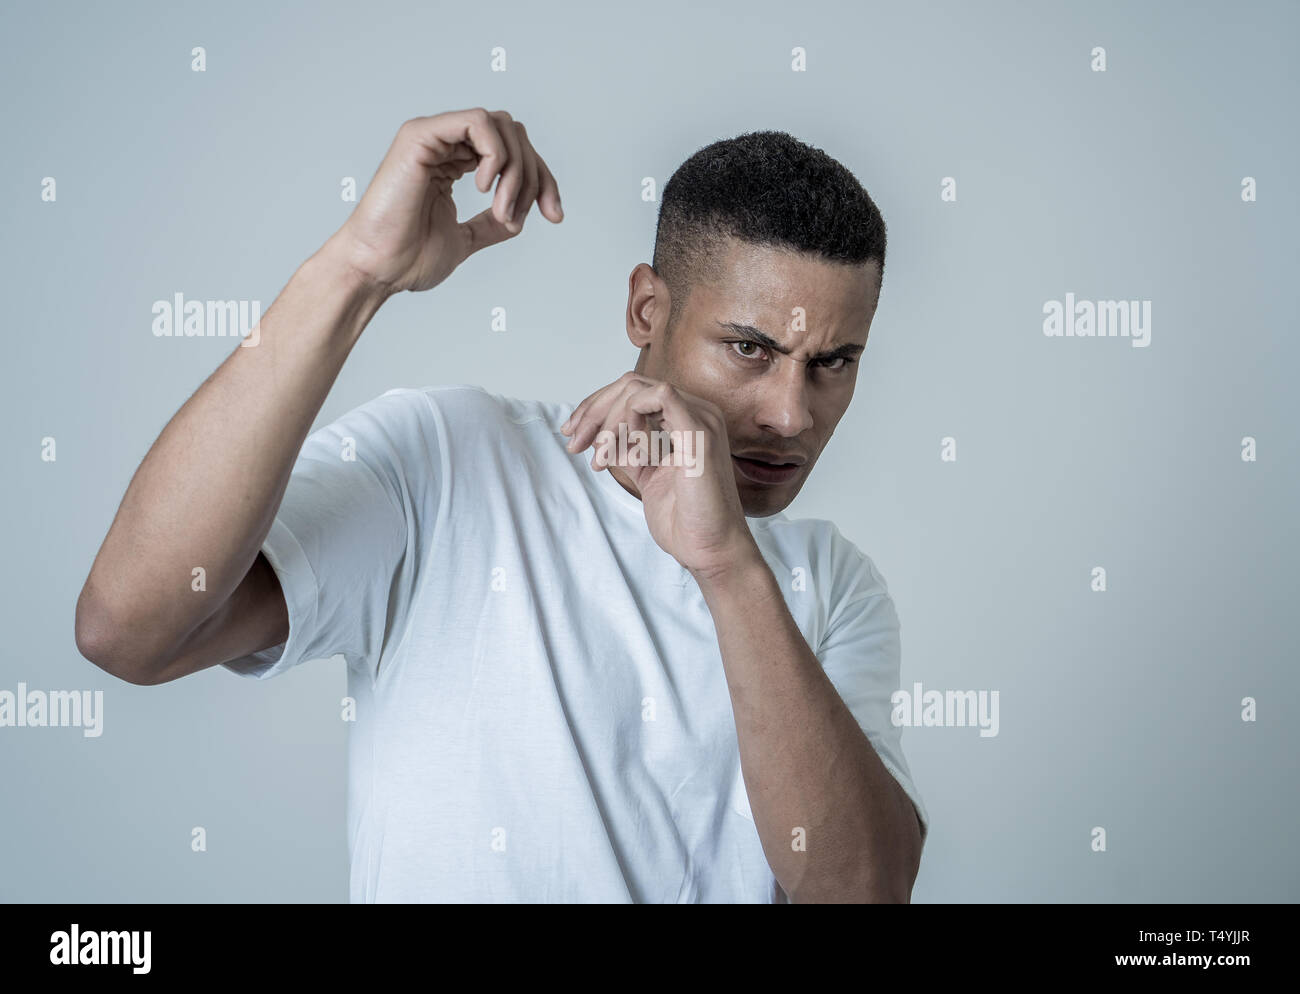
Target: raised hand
(404,235)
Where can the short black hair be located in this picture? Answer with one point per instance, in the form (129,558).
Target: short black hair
(766,188)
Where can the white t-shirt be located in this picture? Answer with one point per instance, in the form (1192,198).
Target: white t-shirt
(542,712)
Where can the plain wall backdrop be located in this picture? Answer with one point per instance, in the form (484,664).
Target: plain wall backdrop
(1120,709)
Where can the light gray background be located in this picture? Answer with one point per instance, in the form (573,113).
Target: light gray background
(1119,709)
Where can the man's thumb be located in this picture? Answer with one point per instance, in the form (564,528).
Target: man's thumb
(484,230)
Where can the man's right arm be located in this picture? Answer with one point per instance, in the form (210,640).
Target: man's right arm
(207,493)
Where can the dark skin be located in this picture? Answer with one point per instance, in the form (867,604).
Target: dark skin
(785,405)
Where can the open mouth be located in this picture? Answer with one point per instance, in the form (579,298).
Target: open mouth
(764,471)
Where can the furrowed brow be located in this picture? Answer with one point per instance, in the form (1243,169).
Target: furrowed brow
(751,334)
(839,352)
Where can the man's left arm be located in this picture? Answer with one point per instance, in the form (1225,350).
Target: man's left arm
(809,770)
(834,823)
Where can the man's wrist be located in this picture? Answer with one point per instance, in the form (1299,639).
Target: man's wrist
(333,283)
(335,258)
(743,572)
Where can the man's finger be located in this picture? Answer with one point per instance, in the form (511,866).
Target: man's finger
(680,412)
(531,183)
(549,200)
(596,417)
(482,230)
(581,410)
(577,414)
(473,127)
(659,398)
(619,414)
(512,180)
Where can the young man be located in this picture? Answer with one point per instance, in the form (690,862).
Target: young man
(617,677)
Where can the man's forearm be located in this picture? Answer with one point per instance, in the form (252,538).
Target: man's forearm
(810,772)
(207,491)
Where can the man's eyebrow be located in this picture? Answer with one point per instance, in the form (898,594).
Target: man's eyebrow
(751,334)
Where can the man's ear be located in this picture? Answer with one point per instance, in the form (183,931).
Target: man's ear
(647,306)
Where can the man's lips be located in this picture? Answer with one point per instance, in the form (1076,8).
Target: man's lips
(768,469)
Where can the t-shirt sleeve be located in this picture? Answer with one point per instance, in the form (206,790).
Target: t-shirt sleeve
(862,655)
(348,539)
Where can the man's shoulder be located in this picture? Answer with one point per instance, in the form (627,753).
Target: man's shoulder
(465,409)
(435,433)
(846,571)
(812,533)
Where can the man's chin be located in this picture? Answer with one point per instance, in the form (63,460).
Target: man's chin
(761,501)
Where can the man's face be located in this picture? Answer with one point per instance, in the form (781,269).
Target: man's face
(774,344)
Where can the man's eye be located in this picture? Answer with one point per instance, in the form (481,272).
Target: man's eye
(747,350)
(839,362)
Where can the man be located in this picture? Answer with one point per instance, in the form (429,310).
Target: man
(624,679)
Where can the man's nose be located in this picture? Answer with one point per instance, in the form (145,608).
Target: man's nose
(784,406)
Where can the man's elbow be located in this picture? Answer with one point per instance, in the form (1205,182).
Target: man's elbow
(867,882)
(898,892)
(98,639)
(875,891)
(892,882)
(904,879)
(893,888)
